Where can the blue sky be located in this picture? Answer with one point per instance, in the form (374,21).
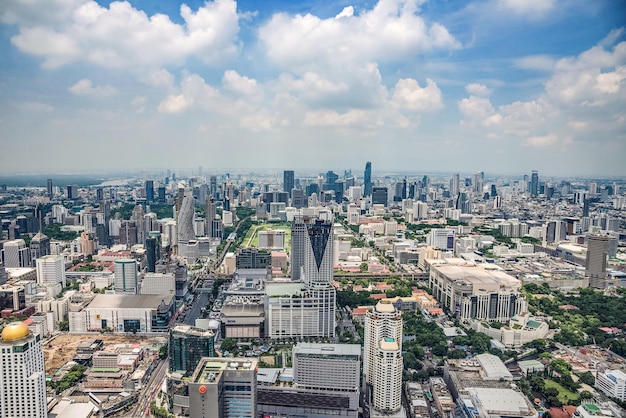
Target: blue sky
(502,86)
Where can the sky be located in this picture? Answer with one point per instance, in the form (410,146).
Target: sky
(501,86)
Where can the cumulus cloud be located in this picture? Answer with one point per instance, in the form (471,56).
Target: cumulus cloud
(328,117)
(409,95)
(582,95)
(85,87)
(391,30)
(478,90)
(193,91)
(139,103)
(121,36)
(240,84)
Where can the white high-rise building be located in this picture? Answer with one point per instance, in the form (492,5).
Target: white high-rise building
(382,356)
(15,254)
(184,221)
(318,254)
(51,270)
(22,373)
(125,272)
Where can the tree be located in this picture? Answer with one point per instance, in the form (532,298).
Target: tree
(228,344)
(587,378)
(363,267)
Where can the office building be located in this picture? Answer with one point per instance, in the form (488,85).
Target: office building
(187,345)
(49,189)
(51,270)
(23,375)
(158,284)
(380,196)
(150,190)
(596,261)
(298,243)
(382,356)
(326,380)
(534,183)
(184,221)
(128,233)
(477,291)
(72,191)
(318,254)
(288,181)
(223,388)
(253,258)
(367,179)
(454,185)
(15,254)
(442,238)
(39,246)
(612,383)
(327,366)
(125,272)
(151,254)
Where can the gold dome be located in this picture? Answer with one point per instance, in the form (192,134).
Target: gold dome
(15,331)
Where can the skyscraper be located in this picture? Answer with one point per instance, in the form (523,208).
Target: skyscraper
(380,195)
(184,221)
(125,272)
(150,190)
(595,265)
(298,242)
(23,376)
(187,345)
(151,254)
(318,254)
(382,356)
(534,183)
(288,181)
(49,188)
(454,185)
(51,270)
(367,179)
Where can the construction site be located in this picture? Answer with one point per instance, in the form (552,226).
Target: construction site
(62,348)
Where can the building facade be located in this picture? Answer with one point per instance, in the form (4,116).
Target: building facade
(23,376)
(187,345)
(382,356)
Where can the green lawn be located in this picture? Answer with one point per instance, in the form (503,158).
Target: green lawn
(252,238)
(565,395)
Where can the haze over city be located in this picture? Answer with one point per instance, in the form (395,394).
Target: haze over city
(504,86)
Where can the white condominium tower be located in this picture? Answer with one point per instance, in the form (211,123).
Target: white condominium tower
(23,376)
(382,356)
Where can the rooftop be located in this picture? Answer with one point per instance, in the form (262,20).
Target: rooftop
(328,349)
(129,301)
(210,368)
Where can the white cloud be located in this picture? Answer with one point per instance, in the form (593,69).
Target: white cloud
(541,141)
(389,31)
(193,91)
(85,87)
(240,84)
(121,36)
(478,89)
(532,8)
(583,96)
(409,95)
(157,78)
(328,117)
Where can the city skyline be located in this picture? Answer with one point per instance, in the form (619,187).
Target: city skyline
(507,85)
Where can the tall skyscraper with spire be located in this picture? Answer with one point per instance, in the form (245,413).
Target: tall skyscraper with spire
(367,179)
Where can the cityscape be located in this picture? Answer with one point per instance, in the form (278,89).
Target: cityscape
(288,294)
(313,209)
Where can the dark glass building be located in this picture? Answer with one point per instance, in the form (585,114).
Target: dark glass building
(187,345)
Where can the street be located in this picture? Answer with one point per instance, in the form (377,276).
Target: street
(195,310)
(150,390)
